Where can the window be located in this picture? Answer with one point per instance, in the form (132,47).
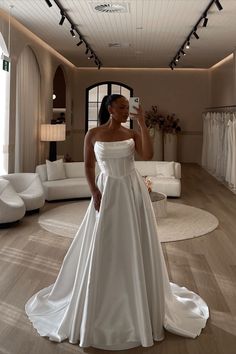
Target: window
(94,96)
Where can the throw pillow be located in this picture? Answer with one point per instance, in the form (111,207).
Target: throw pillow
(166,169)
(55,170)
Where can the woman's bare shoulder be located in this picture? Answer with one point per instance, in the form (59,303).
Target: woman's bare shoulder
(93,134)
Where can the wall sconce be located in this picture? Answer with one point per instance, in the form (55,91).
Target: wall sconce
(53,133)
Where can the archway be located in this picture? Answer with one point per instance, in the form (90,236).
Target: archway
(27,112)
(59,106)
(4,106)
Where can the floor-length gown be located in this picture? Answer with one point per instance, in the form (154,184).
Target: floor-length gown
(113,291)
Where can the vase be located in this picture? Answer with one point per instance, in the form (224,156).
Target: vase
(157,140)
(170,147)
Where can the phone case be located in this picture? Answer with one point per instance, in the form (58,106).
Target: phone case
(133,101)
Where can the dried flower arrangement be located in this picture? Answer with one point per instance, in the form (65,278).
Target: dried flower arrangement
(148,183)
(168,124)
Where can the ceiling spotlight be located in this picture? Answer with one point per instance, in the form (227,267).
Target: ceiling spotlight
(99,66)
(62,18)
(205,22)
(80,42)
(72,31)
(87,50)
(171,66)
(181,50)
(187,45)
(218,5)
(195,34)
(177,59)
(91,56)
(174,63)
(49,3)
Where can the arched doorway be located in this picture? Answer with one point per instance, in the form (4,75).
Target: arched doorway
(27,112)
(59,106)
(4,106)
(94,96)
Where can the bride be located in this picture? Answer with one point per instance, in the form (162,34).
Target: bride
(113,291)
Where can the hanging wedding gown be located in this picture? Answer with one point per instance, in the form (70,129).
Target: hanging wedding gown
(113,291)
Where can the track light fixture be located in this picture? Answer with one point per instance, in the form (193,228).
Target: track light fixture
(195,33)
(62,18)
(205,22)
(218,5)
(186,43)
(80,42)
(72,31)
(49,3)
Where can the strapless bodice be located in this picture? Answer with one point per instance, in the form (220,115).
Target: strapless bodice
(115,158)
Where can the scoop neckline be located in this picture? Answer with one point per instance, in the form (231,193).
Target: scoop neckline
(115,141)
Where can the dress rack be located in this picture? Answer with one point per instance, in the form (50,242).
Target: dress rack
(220,108)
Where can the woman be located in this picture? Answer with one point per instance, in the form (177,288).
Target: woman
(113,291)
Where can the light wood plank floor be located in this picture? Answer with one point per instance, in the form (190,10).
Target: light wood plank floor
(31,257)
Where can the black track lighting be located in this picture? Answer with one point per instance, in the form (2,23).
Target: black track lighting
(99,66)
(80,42)
(195,34)
(188,45)
(205,22)
(72,31)
(49,3)
(181,50)
(174,63)
(218,5)
(62,18)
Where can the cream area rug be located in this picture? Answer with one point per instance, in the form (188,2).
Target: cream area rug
(182,221)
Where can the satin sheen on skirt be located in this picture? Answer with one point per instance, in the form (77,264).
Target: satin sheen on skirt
(113,291)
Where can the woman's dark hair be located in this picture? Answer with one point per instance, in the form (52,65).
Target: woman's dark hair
(104,115)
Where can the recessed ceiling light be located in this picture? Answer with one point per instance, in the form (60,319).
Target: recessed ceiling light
(108,7)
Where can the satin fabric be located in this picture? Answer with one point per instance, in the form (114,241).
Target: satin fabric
(113,290)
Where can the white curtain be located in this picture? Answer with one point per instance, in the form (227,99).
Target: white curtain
(27,112)
(219,145)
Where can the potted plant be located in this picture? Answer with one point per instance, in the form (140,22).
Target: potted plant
(170,129)
(155,121)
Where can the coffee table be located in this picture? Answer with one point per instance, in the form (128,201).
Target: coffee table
(159,202)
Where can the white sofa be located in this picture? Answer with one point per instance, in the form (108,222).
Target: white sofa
(75,184)
(12,207)
(29,188)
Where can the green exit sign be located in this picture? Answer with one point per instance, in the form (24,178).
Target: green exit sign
(5,65)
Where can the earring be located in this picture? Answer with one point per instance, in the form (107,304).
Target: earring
(110,116)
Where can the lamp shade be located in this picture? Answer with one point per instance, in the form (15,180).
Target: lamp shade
(53,132)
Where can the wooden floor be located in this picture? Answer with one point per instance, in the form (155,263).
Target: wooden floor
(31,257)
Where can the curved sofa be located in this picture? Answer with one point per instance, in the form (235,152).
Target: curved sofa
(29,188)
(75,184)
(12,207)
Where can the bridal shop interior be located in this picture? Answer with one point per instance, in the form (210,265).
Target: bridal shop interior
(58,59)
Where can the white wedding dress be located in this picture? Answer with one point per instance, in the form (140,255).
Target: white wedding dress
(113,291)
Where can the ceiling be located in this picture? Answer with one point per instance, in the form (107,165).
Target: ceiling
(150,32)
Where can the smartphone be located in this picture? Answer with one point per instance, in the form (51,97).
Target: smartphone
(133,102)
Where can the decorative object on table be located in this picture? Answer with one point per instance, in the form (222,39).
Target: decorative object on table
(154,121)
(170,129)
(148,183)
(159,203)
(53,133)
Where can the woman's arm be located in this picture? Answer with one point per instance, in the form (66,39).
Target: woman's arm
(143,142)
(89,162)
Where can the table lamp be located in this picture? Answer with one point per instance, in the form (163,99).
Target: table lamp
(53,133)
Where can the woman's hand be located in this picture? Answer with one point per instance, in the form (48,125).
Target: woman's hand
(97,196)
(139,117)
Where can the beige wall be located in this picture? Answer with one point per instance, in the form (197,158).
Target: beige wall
(184,92)
(222,83)
(48,61)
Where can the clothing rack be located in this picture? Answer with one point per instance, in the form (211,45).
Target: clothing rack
(220,108)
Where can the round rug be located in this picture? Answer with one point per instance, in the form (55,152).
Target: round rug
(182,221)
